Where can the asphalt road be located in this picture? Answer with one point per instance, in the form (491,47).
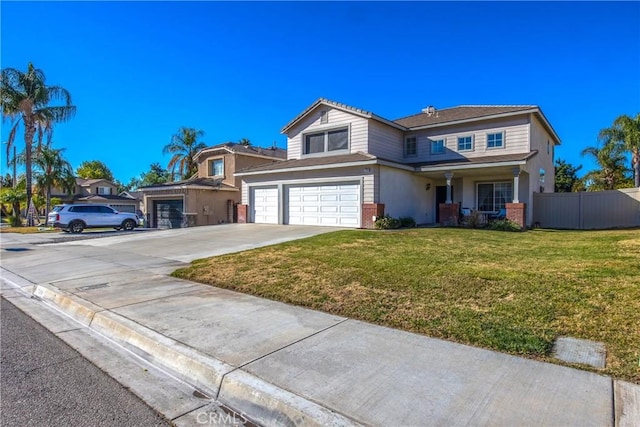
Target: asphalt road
(44,382)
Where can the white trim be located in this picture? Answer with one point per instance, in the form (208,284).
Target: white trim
(325,131)
(472,166)
(466,150)
(486,143)
(307,168)
(229,151)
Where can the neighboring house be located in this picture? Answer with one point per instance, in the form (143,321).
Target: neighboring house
(100,191)
(346,166)
(209,197)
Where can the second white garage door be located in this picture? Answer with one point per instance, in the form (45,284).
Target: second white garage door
(328,204)
(265,205)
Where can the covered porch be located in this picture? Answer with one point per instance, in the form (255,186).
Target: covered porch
(491,189)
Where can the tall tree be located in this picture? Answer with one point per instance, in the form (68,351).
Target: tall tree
(626,132)
(566,177)
(94,169)
(612,172)
(53,170)
(184,146)
(27,99)
(245,142)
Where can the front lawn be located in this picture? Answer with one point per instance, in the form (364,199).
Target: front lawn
(512,292)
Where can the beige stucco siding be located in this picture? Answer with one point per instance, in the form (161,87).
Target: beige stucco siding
(404,194)
(337,119)
(385,141)
(516,138)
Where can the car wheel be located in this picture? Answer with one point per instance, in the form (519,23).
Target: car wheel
(76,227)
(128,225)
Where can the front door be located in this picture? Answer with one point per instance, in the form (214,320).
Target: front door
(441,197)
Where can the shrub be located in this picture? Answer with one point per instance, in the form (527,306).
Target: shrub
(474,220)
(386,222)
(504,225)
(407,221)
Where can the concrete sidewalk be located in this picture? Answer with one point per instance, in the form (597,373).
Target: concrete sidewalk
(285,365)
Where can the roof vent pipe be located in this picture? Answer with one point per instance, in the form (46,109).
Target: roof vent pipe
(430,110)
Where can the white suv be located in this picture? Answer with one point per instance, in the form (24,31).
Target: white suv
(75,218)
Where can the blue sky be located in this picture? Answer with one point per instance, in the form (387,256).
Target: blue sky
(139,71)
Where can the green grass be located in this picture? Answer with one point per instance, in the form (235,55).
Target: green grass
(511,292)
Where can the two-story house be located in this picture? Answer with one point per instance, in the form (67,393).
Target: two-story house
(211,195)
(346,166)
(101,191)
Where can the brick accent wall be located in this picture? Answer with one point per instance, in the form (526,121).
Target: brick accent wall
(242,214)
(516,212)
(449,214)
(369,210)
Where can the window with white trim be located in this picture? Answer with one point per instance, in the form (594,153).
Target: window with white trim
(410,146)
(495,140)
(105,191)
(324,116)
(493,196)
(465,143)
(216,167)
(437,146)
(322,142)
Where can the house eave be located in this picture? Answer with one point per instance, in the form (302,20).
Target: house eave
(445,168)
(187,187)
(307,168)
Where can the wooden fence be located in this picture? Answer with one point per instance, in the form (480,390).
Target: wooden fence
(588,210)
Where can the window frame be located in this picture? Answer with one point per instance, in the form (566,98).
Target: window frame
(494,205)
(502,140)
(465,149)
(325,148)
(211,170)
(433,141)
(405,150)
(108,190)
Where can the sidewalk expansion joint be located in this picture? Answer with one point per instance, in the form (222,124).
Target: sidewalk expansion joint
(239,367)
(192,410)
(613,403)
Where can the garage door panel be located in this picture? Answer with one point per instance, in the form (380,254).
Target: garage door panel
(265,205)
(330,205)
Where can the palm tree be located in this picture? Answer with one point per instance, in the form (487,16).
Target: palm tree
(14,196)
(26,98)
(184,146)
(245,142)
(612,171)
(626,131)
(53,170)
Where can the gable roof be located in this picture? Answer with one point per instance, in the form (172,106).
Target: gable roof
(87,182)
(344,107)
(445,116)
(248,150)
(461,113)
(201,183)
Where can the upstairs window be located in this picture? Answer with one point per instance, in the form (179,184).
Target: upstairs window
(324,116)
(465,143)
(321,142)
(105,191)
(495,140)
(216,167)
(410,146)
(437,146)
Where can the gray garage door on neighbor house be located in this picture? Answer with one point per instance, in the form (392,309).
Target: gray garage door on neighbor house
(329,204)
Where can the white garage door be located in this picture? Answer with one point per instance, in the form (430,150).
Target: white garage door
(327,204)
(265,205)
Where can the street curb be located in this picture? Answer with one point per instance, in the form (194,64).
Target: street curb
(243,392)
(627,403)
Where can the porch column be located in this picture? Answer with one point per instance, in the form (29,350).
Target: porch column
(448,176)
(516,185)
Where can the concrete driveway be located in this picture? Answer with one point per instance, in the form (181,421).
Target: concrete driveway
(187,244)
